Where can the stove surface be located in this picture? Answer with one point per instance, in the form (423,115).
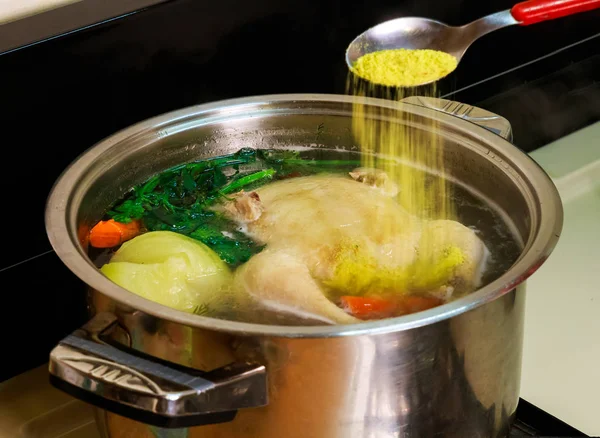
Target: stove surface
(31,408)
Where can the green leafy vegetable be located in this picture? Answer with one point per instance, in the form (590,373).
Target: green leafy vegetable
(287,162)
(182,187)
(201,309)
(244,182)
(233,247)
(180,198)
(210,228)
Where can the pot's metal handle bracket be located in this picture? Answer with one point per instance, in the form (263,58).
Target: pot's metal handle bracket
(488,120)
(137,386)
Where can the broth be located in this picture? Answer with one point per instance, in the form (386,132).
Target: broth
(474,212)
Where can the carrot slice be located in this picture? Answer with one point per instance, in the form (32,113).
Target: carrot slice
(107,234)
(378,308)
(414,303)
(367,307)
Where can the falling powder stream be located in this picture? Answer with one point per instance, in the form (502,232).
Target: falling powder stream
(407,147)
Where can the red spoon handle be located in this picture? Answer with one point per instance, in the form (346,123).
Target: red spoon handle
(535,11)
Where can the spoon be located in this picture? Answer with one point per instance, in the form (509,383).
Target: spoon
(423,33)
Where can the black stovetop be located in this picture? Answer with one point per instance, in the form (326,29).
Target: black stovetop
(532,421)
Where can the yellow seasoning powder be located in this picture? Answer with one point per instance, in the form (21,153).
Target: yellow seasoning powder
(410,150)
(404,67)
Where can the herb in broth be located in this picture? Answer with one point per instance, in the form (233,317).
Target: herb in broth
(190,187)
(201,309)
(179,199)
(289,163)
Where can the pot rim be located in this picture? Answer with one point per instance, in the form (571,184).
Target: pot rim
(71,253)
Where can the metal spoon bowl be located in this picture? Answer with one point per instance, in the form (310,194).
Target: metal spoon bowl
(424,33)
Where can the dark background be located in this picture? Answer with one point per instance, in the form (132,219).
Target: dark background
(62,96)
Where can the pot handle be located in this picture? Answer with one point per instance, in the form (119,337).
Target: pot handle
(149,390)
(486,119)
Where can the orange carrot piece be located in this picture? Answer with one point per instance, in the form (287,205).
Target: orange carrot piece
(107,234)
(378,308)
(367,307)
(414,303)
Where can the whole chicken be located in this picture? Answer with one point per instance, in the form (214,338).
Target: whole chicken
(332,235)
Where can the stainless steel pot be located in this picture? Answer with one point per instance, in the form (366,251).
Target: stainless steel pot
(452,371)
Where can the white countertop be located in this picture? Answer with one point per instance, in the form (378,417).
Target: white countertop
(11,10)
(561,357)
